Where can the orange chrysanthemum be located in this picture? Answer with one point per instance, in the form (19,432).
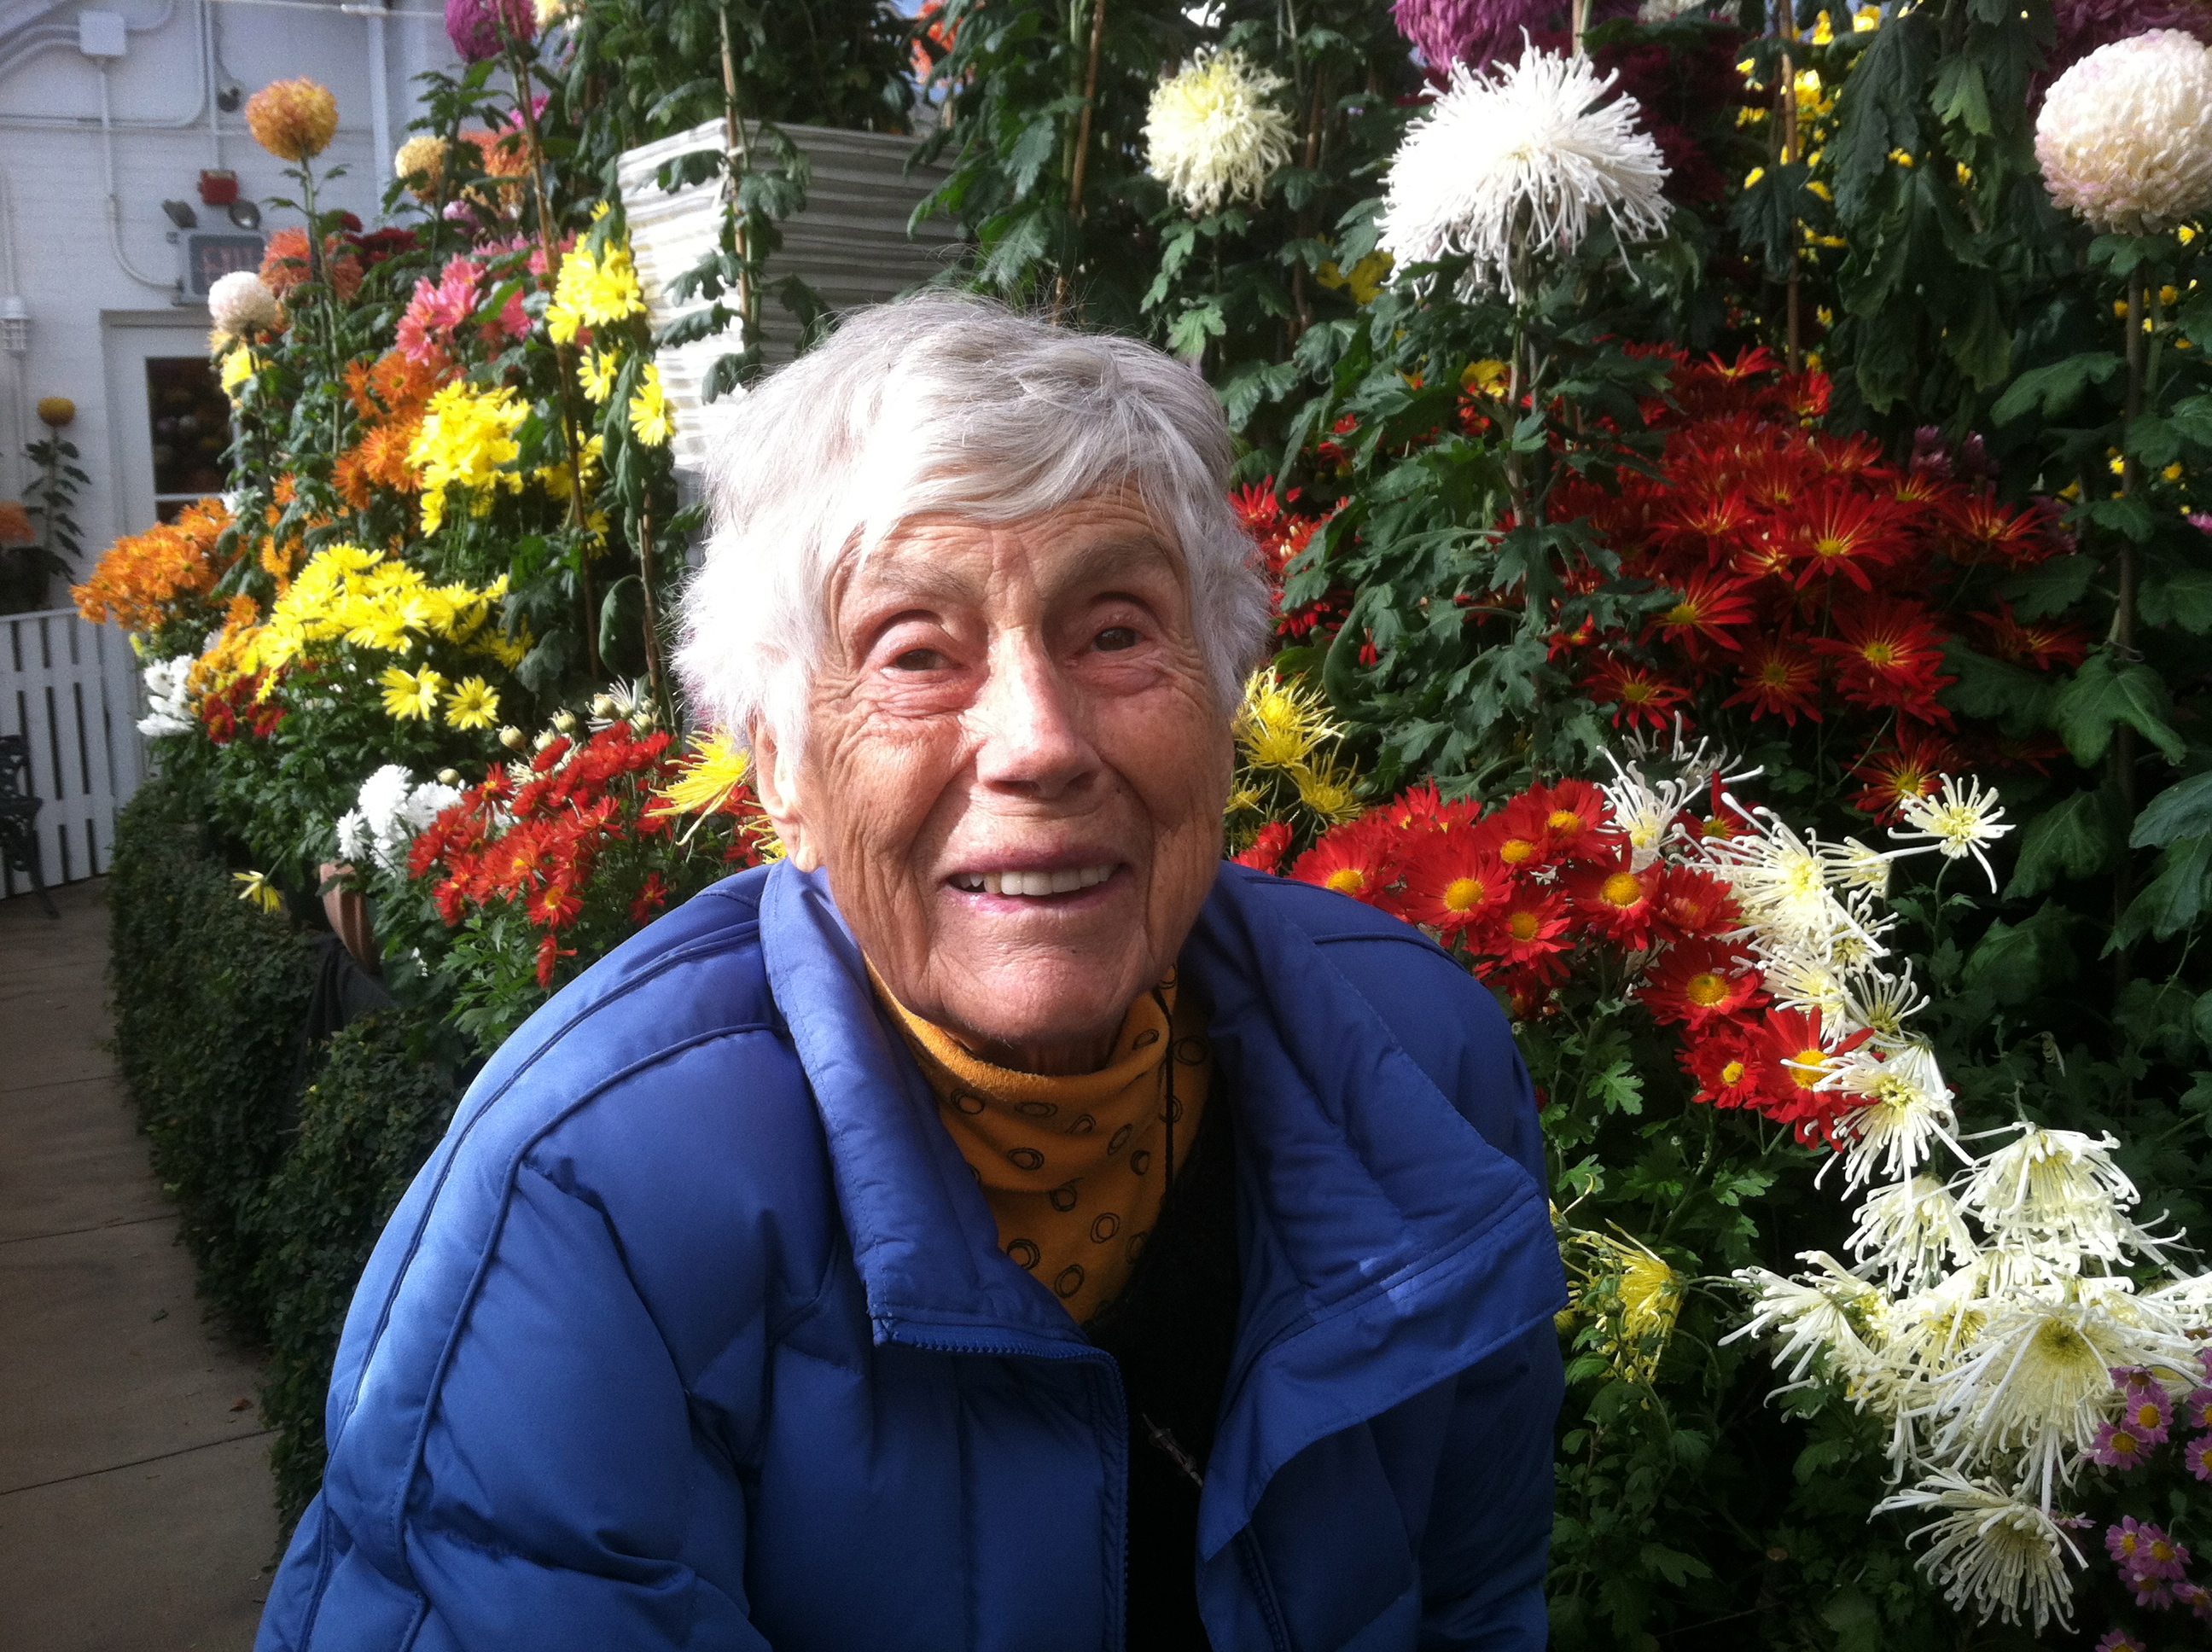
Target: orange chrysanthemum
(293,119)
(285,264)
(145,576)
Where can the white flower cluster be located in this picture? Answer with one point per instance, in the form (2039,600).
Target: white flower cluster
(240,303)
(390,809)
(1211,134)
(1504,169)
(168,699)
(2125,138)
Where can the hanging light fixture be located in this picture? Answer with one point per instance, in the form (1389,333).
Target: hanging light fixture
(14,325)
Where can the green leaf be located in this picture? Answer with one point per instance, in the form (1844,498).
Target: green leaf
(2077,837)
(2183,809)
(2015,961)
(2192,418)
(2049,587)
(2100,700)
(2054,389)
(2183,598)
(1672,1564)
(2173,900)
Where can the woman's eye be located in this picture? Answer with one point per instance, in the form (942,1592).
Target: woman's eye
(1115,638)
(919,660)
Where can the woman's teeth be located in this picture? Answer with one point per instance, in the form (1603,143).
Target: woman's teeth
(1032,883)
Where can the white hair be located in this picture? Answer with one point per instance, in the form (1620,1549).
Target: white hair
(944,404)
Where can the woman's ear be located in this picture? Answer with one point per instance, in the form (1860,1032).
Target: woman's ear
(775,783)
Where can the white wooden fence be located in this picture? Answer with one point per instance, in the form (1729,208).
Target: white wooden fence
(71,689)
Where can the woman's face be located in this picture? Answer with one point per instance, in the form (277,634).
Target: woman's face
(1014,773)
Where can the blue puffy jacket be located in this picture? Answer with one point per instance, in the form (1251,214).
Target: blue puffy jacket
(695,1332)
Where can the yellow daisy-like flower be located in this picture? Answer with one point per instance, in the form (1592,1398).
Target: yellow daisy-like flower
(1329,793)
(648,410)
(411,696)
(714,769)
(596,373)
(473,703)
(592,290)
(255,889)
(1279,723)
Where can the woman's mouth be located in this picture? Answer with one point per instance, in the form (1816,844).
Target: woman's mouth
(1031,885)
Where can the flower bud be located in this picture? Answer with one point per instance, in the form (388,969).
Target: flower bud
(511,738)
(449,777)
(565,721)
(603,706)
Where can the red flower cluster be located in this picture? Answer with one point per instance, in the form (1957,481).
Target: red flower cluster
(1806,575)
(1544,887)
(533,835)
(229,712)
(1281,533)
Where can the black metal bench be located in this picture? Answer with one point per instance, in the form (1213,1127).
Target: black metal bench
(19,818)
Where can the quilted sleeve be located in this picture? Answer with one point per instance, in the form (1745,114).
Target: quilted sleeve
(538,1486)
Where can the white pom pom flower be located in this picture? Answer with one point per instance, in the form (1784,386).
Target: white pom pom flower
(2124,138)
(1212,135)
(1525,159)
(240,303)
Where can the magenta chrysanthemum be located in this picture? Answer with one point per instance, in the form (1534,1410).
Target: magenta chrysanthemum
(2118,1446)
(473,26)
(1477,31)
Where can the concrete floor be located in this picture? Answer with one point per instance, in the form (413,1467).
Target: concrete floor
(135,1500)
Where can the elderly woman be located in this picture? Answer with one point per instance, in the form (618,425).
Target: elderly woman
(1001,1223)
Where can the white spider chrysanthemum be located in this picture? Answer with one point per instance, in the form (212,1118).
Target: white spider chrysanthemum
(2032,1390)
(1644,810)
(1993,1549)
(1781,883)
(1819,1316)
(2057,1195)
(1956,823)
(1905,1232)
(1804,980)
(1904,1109)
(1501,167)
(2125,138)
(1212,135)
(1879,1004)
(1852,865)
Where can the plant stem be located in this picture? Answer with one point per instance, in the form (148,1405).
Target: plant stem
(648,573)
(736,167)
(1786,113)
(1079,164)
(2123,636)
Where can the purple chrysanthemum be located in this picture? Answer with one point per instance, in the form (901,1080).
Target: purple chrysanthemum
(2118,1446)
(2197,1456)
(473,26)
(2119,1640)
(1475,32)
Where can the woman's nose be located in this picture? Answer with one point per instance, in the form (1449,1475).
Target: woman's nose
(1032,734)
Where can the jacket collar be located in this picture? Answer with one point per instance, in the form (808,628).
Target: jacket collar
(1387,1246)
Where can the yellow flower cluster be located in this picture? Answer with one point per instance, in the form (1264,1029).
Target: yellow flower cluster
(349,594)
(591,291)
(1281,731)
(648,410)
(466,441)
(1626,1288)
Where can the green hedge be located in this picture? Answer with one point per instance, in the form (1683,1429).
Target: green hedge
(282,1189)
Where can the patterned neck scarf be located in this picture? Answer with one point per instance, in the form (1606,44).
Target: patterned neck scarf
(1075,1167)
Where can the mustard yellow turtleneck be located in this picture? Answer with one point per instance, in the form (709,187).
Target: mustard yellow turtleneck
(1075,1169)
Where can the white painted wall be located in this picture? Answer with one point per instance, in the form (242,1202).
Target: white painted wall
(89,312)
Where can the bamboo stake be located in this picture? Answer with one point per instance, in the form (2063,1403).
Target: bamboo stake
(1080,168)
(738,165)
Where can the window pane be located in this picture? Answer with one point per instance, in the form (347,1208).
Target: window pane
(190,420)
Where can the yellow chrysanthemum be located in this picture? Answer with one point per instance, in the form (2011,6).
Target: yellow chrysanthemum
(293,119)
(254,888)
(473,703)
(596,373)
(712,770)
(648,410)
(238,368)
(1330,793)
(466,441)
(1279,724)
(592,290)
(411,696)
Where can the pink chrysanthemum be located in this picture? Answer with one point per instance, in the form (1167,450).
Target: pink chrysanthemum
(474,26)
(2118,1446)
(1476,32)
(2197,1456)
(2119,1640)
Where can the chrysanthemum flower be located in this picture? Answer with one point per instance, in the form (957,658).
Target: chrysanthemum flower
(293,119)
(1360,859)
(1842,529)
(2125,138)
(410,695)
(592,290)
(1910,765)
(1639,695)
(2058,1195)
(1507,169)
(648,409)
(1779,677)
(1615,898)
(1211,134)
(241,304)
(1820,1317)
(481,28)
(1278,724)
(1532,929)
(1907,1232)
(1706,609)
(1897,1108)
(1956,823)
(1696,982)
(473,703)
(255,890)
(420,163)
(1889,657)
(2197,1456)
(1453,886)
(1996,1551)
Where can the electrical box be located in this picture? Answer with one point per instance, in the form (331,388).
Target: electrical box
(100,33)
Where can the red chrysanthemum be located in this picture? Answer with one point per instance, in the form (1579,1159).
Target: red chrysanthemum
(1780,677)
(1534,929)
(1978,528)
(1698,982)
(1791,1061)
(2043,645)
(1618,901)
(1451,885)
(1638,693)
(1360,859)
(1694,905)
(1704,610)
(1268,848)
(1896,771)
(1889,657)
(1840,528)
(1723,1065)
